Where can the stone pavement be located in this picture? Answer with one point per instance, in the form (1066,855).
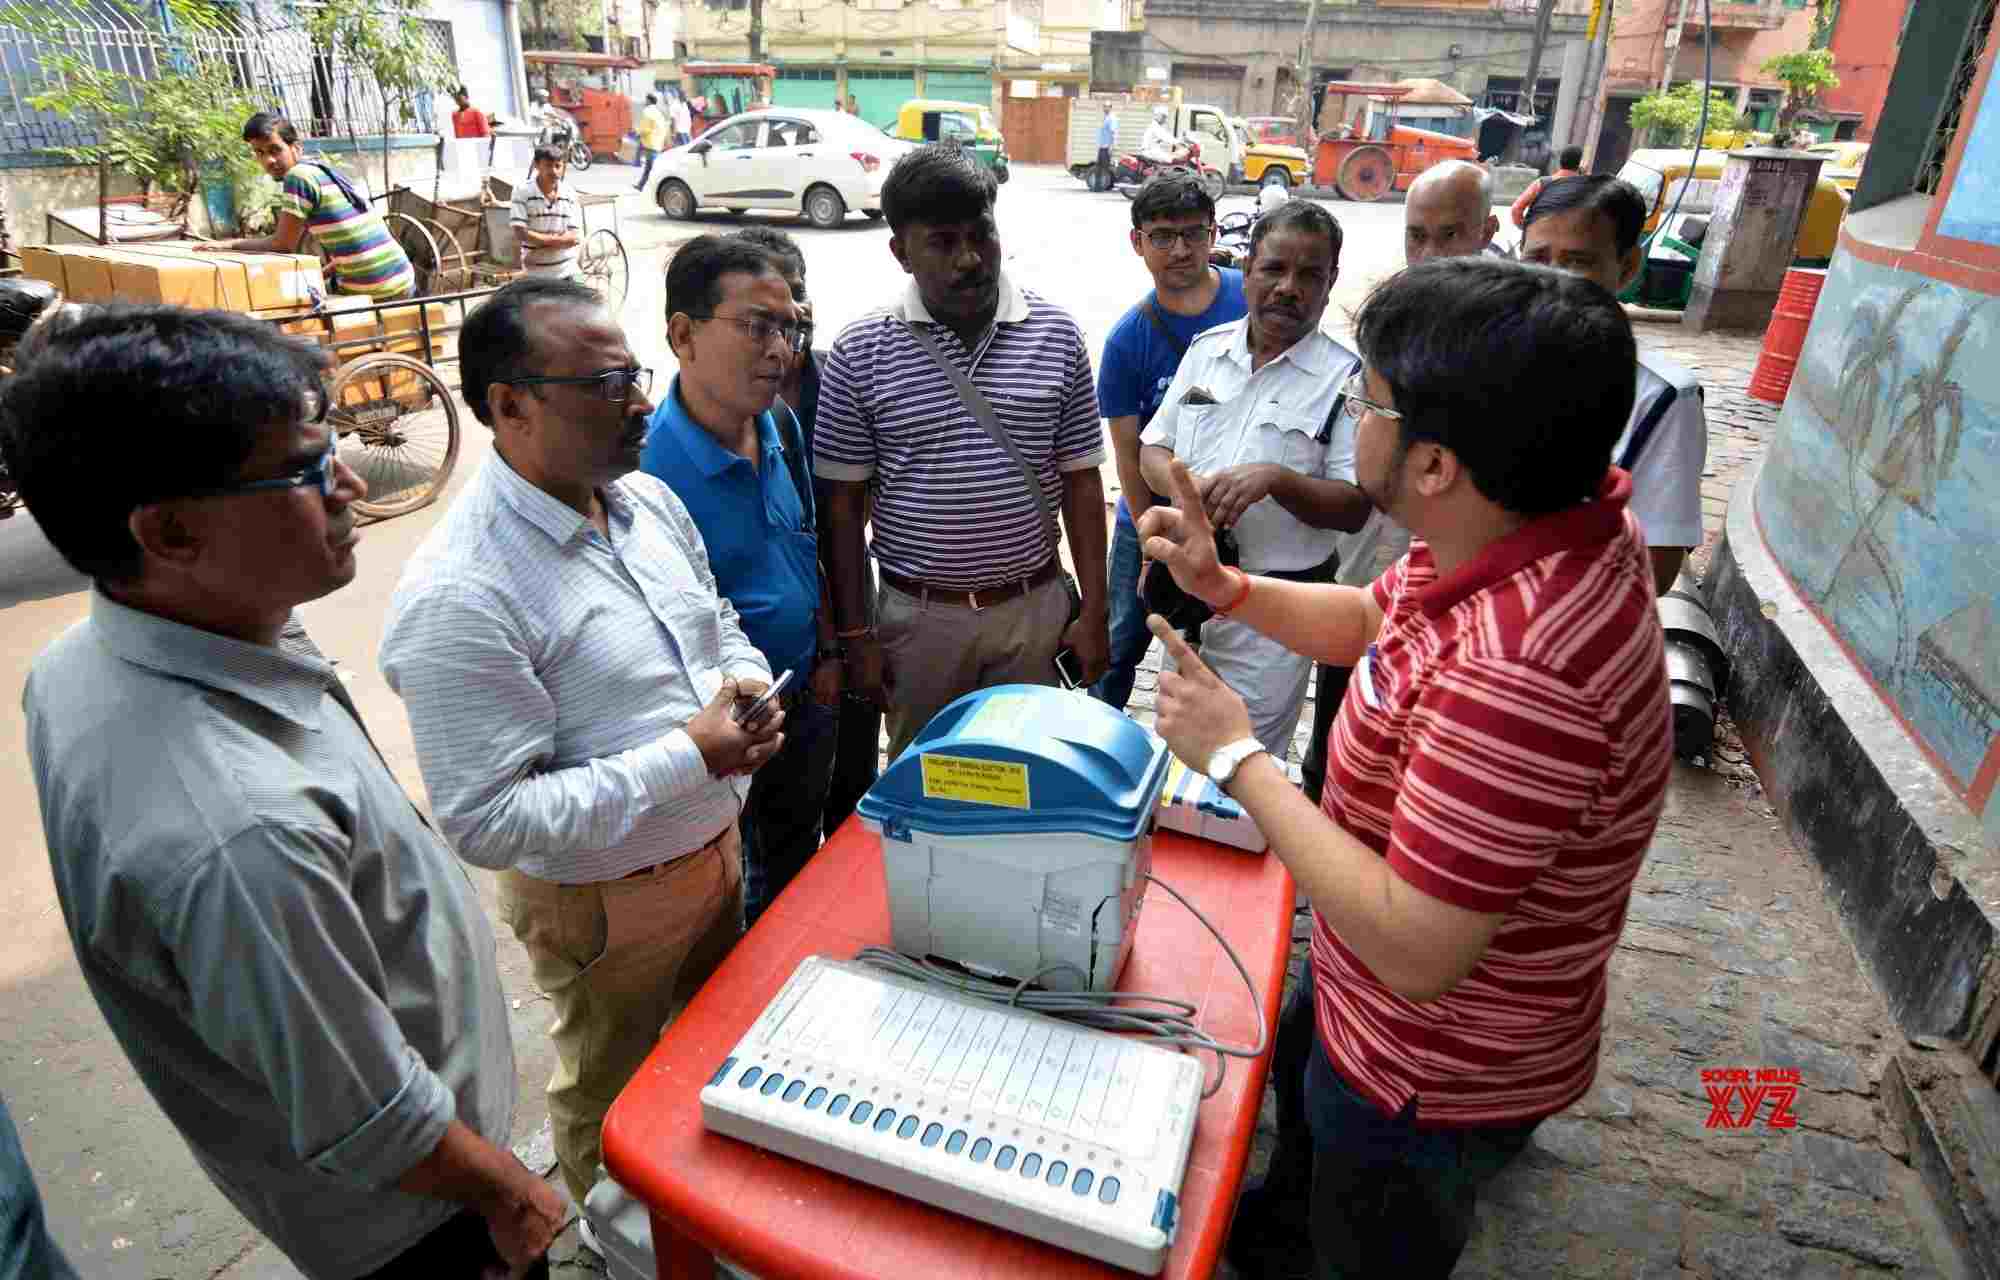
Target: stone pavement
(1731,958)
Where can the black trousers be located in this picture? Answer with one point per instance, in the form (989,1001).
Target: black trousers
(461,1248)
(857,756)
(1329,687)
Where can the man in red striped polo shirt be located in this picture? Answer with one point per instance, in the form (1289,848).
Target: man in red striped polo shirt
(1499,761)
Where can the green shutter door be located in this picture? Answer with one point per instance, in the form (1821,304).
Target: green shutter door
(881,94)
(960,86)
(811,87)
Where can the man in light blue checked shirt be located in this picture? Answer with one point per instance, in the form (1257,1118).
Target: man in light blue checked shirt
(572,679)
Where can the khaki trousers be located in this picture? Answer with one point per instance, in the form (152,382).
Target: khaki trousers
(619,960)
(940,651)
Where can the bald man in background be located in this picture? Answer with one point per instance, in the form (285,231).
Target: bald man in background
(1449,213)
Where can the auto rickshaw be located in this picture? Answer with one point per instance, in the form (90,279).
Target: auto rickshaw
(968,123)
(1656,173)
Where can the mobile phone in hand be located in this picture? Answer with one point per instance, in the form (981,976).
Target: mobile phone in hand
(755,711)
(1068,670)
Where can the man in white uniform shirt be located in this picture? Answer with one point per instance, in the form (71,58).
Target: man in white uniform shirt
(1589,226)
(1252,412)
(571,674)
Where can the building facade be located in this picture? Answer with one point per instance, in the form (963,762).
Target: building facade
(1866,39)
(884,52)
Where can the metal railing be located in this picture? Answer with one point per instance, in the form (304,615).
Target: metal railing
(275,64)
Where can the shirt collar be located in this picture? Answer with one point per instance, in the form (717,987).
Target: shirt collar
(557,519)
(289,680)
(1013,304)
(703,449)
(1313,354)
(1588,524)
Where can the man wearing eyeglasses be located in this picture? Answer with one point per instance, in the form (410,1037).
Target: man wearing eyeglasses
(735,456)
(1173,223)
(1252,412)
(298,969)
(572,678)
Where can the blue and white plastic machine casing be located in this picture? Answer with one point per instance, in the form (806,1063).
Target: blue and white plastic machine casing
(1016,833)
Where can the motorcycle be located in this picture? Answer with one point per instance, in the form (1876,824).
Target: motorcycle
(21,301)
(563,137)
(1130,171)
(1231,247)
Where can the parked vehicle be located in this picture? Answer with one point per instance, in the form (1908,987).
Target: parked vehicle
(1231,246)
(1363,152)
(1282,131)
(1844,161)
(1196,122)
(820,164)
(1656,173)
(971,125)
(1270,164)
(1130,171)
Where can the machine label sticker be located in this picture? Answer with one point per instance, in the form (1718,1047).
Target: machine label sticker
(1063,913)
(995,782)
(1004,717)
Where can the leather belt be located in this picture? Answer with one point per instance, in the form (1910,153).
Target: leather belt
(985,598)
(706,844)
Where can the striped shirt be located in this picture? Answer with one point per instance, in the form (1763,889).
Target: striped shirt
(549,673)
(951,508)
(366,258)
(549,216)
(1505,745)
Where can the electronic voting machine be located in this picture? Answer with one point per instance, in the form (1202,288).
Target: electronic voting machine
(1015,836)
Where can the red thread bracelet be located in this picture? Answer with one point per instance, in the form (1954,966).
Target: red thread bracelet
(1242,594)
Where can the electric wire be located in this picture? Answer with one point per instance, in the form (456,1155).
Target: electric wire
(1171,1022)
(1700,127)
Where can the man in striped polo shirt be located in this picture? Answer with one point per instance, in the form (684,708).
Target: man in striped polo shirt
(365,258)
(547,219)
(1497,767)
(972,591)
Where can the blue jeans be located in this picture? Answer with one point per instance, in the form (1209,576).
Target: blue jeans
(1129,637)
(781,818)
(1388,1198)
(647,155)
(26,1251)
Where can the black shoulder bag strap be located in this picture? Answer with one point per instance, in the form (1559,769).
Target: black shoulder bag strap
(1152,310)
(792,437)
(981,409)
(1642,435)
(345,187)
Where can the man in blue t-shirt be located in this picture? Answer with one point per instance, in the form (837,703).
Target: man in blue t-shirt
(1173,223)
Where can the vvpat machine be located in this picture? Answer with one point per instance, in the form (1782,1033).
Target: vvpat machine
(1016,835)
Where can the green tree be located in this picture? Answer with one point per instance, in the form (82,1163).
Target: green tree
(386,39)
(1803,74)
(1671,117)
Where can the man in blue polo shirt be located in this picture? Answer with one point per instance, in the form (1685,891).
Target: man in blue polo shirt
(1173,224)
(735,456)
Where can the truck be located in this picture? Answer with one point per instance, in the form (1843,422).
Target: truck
(1194,121)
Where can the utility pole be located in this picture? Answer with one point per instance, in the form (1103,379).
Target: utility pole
(1673,47)
(1302,76)
(1591,113)
(1543,14)
(757,29)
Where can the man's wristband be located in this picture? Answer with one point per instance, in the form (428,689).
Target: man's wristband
(1242,593)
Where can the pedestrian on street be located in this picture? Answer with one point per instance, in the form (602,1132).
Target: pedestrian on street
(973,592)
(683,120)
(1254,414)
(1449,213)
(315,199)
(1107,138)
(548,219)
(298,970)
(654,130)
(1173,224)
(1568,165)
(858,747)
(468,121)
(571,676)
(738,460)
(1500,769)
(1590,226)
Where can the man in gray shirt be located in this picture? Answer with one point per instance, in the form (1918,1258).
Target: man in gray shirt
(294,962)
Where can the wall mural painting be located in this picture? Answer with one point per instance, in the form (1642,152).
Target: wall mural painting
(1878,498)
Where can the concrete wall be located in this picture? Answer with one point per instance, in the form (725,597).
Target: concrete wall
(1638,43)
(1878,497)
(1391,42)
(485,60)
(1866,38)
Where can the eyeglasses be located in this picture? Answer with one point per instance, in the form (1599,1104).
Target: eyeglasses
(762,329)
(1163,238)
(1358,404)
(615,385)
(318,475)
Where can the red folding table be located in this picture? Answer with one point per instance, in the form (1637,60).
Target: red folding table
(778,1217)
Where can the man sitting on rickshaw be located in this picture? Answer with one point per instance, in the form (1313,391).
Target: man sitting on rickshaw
(364,258)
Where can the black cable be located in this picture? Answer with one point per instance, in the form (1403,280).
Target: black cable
(1700,127)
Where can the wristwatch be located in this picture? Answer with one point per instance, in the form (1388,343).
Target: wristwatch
(1222,766)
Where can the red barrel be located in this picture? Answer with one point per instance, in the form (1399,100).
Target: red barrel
(1787,333)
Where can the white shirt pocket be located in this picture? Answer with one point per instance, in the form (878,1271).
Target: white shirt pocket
(1290,438)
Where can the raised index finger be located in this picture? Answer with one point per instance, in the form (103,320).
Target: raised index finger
(1186,496)
(1185,658)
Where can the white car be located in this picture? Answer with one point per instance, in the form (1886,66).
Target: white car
(823,164)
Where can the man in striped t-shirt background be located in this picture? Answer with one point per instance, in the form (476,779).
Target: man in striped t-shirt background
(972,592)
(365,258)
(1497,767)
(547,219)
